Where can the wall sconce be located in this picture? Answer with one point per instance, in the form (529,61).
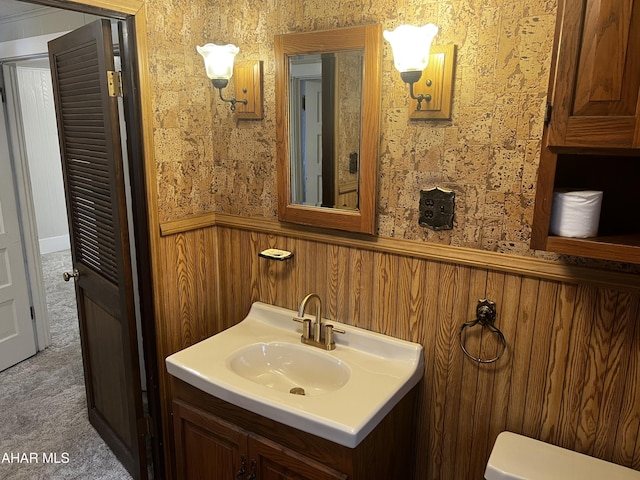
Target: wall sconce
(410,46)
(218,61)
(414,58)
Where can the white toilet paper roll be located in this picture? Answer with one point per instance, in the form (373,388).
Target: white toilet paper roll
(576,213)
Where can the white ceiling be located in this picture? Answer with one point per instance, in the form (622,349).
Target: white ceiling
(12,8)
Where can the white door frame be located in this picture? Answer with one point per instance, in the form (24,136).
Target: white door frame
(17,335)
(26,211)
(15,50)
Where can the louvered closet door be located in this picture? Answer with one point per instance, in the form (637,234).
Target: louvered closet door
(92,168)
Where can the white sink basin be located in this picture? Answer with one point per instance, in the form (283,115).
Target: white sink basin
(261,365)
(290,368)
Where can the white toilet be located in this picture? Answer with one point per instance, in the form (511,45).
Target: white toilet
(515,457)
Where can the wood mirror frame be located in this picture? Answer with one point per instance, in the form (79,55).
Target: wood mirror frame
(369,39)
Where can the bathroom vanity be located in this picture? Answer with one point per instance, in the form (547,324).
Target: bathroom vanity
(255,402)
(215,439)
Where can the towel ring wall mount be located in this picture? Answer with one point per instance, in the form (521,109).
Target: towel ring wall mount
(485,317)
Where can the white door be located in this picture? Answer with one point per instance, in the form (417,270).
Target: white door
(313,143)
(43,154)
(17,339)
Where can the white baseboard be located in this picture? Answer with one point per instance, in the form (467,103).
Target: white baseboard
(54,244)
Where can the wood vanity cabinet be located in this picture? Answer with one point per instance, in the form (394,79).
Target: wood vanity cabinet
(209,447)
(217,440)
(591,138)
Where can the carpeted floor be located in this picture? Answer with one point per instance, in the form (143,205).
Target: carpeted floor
(44,430)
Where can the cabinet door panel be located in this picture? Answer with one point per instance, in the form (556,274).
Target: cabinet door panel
(275,462)
(607,81)
(596,79)
(206,447)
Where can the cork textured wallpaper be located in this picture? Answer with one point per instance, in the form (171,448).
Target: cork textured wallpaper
(488,153)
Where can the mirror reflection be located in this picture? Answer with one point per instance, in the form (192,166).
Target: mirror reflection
(325,128)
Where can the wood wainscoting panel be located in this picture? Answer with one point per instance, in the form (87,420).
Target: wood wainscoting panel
(539,358)
(190,299)
(626,450)
(558,356)
(187,311)
(614,381)
(570,375)
(470,384)
(600,346)
(485,384)
(575,368)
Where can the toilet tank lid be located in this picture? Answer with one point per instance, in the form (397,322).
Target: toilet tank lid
(515,457)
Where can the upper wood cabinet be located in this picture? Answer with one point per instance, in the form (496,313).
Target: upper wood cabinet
(595,78)
(592,138)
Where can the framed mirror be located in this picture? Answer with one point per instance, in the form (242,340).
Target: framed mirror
(328,90)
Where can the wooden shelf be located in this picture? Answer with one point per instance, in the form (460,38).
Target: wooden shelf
(622,248)
(619,223)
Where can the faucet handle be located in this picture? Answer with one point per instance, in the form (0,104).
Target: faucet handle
(329,326)
(329,330)
(306,326)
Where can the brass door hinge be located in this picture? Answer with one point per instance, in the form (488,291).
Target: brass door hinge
(114,79)
(547,113)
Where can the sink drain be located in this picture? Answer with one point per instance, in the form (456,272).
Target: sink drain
(297,391)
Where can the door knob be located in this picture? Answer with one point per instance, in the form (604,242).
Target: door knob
(68,276)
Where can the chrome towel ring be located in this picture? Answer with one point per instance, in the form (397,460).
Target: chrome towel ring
(485,317)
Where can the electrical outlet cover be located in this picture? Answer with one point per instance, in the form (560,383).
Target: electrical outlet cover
(437,208)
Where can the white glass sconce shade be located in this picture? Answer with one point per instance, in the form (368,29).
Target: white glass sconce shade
(218,60)
(410,46)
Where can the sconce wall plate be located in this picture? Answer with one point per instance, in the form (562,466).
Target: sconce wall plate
(248,85)
(436,81)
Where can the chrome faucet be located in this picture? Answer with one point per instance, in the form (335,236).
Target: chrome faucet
(318,335)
